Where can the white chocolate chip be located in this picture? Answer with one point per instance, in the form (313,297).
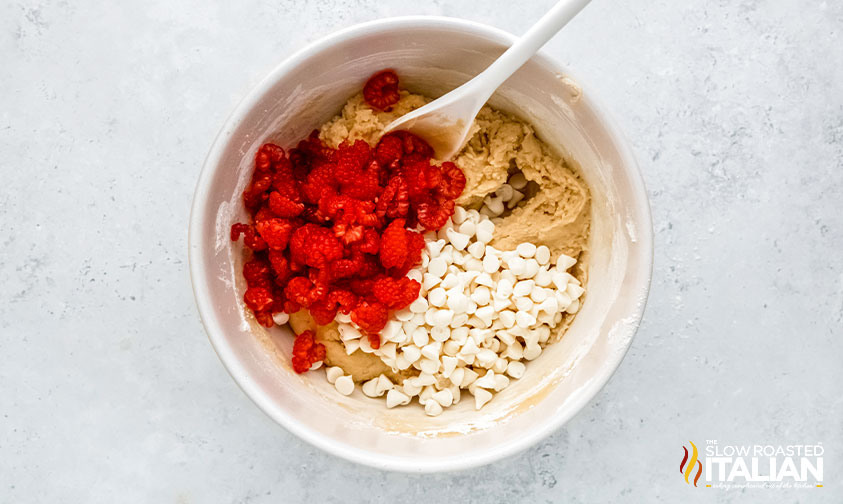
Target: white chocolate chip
(411,353)
(478,250)
(460,215)
(486,358)
(491,263)
(468,228)
(370,388)
(518,181)
(332,373)
(542,254)
(500,365)
(351,346)
(481,295)
(396,398)
(517,196)
(437,297)
(574,291)
(444,397)
(564,262)
(457,239)
(430,281)
(431,350)
(526,250)
(485,230)
(481,397)
(523,288)
(501,382)
(532,351)
(344,385)
(432,408)
(505,192)
(419,305)
(437,267)
(441,318)
(487,381)
(516,369)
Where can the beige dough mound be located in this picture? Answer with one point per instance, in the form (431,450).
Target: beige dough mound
(555,212)
(557,215)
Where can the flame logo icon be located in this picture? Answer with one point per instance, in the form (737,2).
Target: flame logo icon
(687,466)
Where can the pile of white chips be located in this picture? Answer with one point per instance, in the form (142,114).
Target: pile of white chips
(480,315)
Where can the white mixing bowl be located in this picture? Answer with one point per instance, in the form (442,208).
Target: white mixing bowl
(431,55)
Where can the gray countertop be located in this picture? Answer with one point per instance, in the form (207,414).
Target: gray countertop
(110,392)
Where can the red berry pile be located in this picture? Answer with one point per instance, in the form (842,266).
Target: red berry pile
(334,230)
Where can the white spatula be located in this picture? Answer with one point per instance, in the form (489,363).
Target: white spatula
(445,122)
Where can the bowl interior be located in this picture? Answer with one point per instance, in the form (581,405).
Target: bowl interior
(431,56)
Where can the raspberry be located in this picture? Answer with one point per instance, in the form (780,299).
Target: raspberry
(433,215)
(286,185)
(324,311)
(335,206)
(361,286)
(303,291)
(250,238)
(313,215)
(402,145)
(414,146)
(381,90)
(255,194)
(344,268)
(291,306)
(308,154)
(394,201)
(390,149)
(275,232)
(452,182)
(257,273)
(278,298)
(321,278)
(393,251)
(268,157)
(350,161)
(306,351)
(370,316)
(314,246)
(283,206)
(349,216)
(345,299)
(319,182)
(338,226)
(365,186)
(365,214)
(415,245)
(396,293)
(263,214)
(370,243)
(238,229)
(421,177)
(280,265)
(258,298)
(264,318)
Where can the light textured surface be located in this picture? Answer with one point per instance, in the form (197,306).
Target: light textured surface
(110,392)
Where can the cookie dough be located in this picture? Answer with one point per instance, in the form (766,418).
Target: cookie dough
(557,214)
(360,365)
(556,211)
